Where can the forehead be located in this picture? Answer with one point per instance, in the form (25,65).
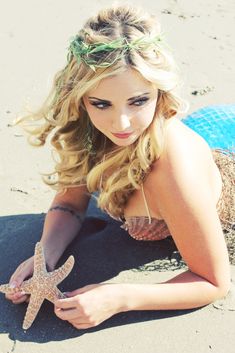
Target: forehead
(127,82)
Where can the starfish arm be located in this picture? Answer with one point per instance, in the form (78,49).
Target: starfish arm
(62,272)
(39,259)
(35,304)
(5,288)
(25,286)
(53,294)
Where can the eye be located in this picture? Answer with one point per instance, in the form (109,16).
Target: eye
(140,101)
(101,105)
(137,103)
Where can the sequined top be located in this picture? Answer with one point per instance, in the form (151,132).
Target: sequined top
(149,228)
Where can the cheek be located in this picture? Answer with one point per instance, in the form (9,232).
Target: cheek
(98,120)
(145,115)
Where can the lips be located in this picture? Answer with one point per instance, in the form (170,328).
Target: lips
(123,136)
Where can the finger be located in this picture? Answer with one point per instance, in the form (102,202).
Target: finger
(15,275)
(82,326)
(68,314)
(67,303)
(20,300)
(18,277)
(19,297)
(76,292)
(9,296)
(14,283)
(15,295)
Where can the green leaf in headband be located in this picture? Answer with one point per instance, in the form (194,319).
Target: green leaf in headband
(84,51)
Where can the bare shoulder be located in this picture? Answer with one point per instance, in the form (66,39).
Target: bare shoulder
(186,157)
(183,142)
(180,188)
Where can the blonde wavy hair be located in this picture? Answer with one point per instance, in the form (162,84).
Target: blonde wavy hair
(63,113)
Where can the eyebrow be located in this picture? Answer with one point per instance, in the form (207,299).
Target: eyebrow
(129,99)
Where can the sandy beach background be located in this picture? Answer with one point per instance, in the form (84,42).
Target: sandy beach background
(34,38)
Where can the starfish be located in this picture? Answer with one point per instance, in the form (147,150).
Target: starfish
(42,285)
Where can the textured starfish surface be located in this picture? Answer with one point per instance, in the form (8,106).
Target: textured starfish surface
(42,285)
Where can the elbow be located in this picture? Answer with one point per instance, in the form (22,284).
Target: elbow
(222,290)
(221,285)
(218,288)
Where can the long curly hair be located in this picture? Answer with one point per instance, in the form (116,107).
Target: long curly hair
(78,146)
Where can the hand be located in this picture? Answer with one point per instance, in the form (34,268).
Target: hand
(89,306)
(23,272)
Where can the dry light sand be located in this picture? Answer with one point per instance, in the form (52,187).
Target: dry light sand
(34,36)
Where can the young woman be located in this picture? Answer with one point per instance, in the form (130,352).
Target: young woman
(112,116)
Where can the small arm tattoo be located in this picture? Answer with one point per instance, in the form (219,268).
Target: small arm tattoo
(66,209)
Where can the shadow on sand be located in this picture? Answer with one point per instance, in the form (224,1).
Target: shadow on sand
(102,250)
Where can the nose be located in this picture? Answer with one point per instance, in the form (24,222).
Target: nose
(121,123)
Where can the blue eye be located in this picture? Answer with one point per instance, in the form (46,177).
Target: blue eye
(141,101)
(137,103)
(101,105)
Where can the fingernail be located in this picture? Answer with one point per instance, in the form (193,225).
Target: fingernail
(65,294)
(12,285)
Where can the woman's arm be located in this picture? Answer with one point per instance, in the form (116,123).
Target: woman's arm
(61,226)
(181,186)
(185,291)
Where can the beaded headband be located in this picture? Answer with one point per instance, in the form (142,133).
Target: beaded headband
(84,51)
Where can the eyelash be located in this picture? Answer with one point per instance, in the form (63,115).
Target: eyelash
(143,100)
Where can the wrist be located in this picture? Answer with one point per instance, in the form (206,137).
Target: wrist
(50,265)
(51,257)
(122,299)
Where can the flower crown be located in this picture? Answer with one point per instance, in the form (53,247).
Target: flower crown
(84,51)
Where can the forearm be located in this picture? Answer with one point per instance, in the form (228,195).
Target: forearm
(184,291)
(60,228)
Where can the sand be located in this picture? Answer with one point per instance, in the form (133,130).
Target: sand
(34,38)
